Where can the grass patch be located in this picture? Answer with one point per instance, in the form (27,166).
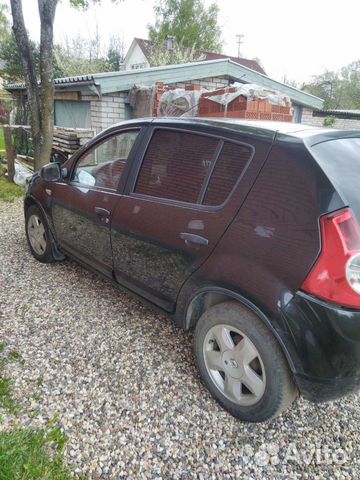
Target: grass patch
(26,453)
(2,141)
(9,191)
(7,401)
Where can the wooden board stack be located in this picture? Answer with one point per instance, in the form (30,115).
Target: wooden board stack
(68,140)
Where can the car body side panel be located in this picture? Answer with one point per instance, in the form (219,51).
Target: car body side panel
(150,255)
(269,248)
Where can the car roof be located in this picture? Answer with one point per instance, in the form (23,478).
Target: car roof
(307,133)
(281,127)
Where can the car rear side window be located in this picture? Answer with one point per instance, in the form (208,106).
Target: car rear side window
(176,165)
(340,160)
(231,163)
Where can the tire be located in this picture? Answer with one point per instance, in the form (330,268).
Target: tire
(253,382)
(38,235)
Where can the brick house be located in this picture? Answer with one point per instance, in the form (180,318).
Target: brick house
(99,100)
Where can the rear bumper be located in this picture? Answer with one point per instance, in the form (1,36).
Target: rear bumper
(324,343)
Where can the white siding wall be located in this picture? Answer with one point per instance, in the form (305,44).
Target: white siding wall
(136,57)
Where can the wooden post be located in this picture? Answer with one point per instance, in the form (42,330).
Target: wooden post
(9,153)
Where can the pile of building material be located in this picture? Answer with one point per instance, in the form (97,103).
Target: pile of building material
(248,101)
(68,140)
(179,102)
(161,100)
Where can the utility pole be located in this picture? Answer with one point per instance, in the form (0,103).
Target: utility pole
(239,39)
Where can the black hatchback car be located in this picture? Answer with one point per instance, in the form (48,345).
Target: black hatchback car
(247,232)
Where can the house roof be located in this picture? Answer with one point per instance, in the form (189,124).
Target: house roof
(147,46)
(253,64)
(110,82)
(351,114)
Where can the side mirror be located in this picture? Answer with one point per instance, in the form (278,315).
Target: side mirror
(51,172)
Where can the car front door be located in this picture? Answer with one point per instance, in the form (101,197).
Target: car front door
(82,207)
(176,209)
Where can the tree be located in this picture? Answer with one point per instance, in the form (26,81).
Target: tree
(193,25)
(40,99)
(81,55)
(41,105)
(160,55)
(13,69)
(4,22)
(115,54)
(339,89)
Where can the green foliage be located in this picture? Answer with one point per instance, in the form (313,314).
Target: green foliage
(7,400)
(193,25)
(84,4)
(115,54)
(160,55)
(329,121)
(29,454)
(25,453)
(13,69)
(80,56)
(4,21)
(2,143)
(8,190)
(340,89)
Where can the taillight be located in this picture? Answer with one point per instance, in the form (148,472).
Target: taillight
(336,274)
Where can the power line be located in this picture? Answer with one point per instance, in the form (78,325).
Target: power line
(239,41)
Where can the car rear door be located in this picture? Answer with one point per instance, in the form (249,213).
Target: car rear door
(82,207)
(177,204)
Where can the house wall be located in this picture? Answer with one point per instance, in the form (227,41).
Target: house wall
(342,123)
(136,59)
(106,110)
(111,108)
(210,83)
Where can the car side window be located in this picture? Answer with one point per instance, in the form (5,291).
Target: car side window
(176,165)
(229,166)
(103,165)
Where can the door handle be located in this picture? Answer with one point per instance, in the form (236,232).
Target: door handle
(102,212)
(192,238)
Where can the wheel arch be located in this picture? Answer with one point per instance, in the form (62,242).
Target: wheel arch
(29,201)
(210,296)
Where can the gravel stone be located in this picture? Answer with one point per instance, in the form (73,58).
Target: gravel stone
(122,381)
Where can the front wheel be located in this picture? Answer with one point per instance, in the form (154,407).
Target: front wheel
(242,364)
(38,235)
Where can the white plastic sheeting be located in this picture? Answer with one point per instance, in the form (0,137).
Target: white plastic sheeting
(185,103)
(180,103)
(252,91)
(22,173)
(142,98)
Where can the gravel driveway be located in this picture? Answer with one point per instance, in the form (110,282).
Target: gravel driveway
(123,382)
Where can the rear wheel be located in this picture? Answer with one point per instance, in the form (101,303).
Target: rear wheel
(38,235)
(242,364)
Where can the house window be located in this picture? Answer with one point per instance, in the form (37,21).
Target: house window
(136,66)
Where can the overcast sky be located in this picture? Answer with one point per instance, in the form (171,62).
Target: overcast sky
(296,38)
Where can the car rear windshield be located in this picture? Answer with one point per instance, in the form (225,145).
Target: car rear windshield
(340,160)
